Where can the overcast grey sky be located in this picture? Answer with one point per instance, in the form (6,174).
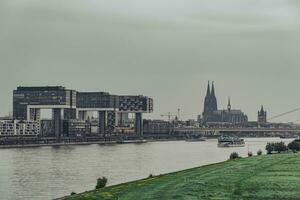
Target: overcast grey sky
(166,49)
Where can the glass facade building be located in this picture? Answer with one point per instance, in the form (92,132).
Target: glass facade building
(97,100)
(69,105)
(41,97)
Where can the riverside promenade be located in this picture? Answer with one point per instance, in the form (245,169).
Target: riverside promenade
(260,177)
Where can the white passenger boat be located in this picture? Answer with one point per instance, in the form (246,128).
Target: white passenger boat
(230,141)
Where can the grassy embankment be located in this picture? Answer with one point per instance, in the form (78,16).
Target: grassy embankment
(260,177)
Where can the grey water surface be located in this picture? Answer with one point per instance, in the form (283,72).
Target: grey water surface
(51,172)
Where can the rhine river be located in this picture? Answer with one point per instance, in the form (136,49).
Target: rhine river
(51,172)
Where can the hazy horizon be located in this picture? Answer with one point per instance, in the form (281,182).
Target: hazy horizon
(167,50)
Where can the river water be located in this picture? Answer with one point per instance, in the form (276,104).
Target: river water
(51,172)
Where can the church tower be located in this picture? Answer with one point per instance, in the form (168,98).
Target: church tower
(210,103)
(262,116)
(214,104)
(229,105)
(207,101)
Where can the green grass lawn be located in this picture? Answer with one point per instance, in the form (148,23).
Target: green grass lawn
(261,177)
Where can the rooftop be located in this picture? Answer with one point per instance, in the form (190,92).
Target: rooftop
(40,88)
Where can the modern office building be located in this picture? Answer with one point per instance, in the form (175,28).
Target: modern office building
(28,101)
(47,128)
(19,128)
(123,119)
(153,127)
(101,100)
(138,105)
(76,128)
(211,114)
(69,104)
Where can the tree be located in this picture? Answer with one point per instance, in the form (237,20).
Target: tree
(101,182)
(259,152)
(150,176)
(270,148)
(234,155)
(276,147)
(280,147)
(295,145)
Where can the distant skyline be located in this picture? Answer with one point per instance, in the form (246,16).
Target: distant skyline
(167,50)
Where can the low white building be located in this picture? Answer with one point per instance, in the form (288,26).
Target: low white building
(17,127)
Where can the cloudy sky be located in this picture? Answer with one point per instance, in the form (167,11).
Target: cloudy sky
(166,49)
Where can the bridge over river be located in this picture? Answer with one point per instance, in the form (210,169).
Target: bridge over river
(242,129)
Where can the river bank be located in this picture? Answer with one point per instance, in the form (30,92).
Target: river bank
(259,177)
(110,142)
(101,141)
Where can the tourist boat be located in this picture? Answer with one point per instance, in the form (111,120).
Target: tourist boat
(230,141)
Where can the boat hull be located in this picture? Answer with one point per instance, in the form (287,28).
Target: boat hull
(231,145)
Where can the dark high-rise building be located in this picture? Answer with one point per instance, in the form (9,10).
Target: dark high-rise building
(27,101)
(97,100)
(262,116)
(211,114)
(69,105)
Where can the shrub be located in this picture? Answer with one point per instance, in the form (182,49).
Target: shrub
(250,154)
(270,148)
(259,152)
(150,176)
(280,147)
(234,155)
(276,147)
(73,193)
(294,151)
(101,182)
(294,146)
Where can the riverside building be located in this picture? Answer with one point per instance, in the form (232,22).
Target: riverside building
(19,127)
(212,115)
(69,104)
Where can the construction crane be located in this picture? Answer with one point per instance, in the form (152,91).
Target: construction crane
(169,115)
(177,117)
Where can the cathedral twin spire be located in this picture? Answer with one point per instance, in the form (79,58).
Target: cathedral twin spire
(212,114)
(210,103)
(208,90)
